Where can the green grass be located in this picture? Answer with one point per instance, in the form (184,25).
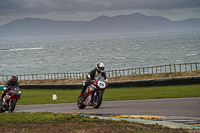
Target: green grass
(47,122)
(43,117)
(153,92)
(38,96)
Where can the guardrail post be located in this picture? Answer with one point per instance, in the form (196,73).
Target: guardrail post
(196,65)
(185,67)
(191,66)
(174,67)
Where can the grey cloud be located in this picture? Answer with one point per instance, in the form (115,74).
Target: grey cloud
(46,6)
(87,9)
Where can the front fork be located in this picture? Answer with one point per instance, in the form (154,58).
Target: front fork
(94,96)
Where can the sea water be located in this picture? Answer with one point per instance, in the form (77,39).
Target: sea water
(81,53)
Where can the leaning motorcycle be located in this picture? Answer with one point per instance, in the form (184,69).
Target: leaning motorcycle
(10,100)
(93,94)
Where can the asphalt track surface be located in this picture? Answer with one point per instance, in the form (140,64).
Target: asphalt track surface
(181,107)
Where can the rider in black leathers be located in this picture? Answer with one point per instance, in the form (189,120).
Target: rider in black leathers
(97,72)
(12,82)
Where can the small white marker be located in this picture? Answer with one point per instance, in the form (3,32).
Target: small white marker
(54,97)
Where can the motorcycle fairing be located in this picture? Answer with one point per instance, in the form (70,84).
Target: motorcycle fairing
(88,101)
(101,84)
(90,89)
(15,93)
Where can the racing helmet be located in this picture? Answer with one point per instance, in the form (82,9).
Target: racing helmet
(100,67)
(14,78)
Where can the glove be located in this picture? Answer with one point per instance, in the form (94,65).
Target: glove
(4,88)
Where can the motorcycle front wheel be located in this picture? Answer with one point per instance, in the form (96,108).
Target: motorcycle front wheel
(12,104)
(97,99)
(1,108)
(80,103)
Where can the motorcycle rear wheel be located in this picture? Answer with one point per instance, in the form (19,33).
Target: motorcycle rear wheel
(97,99)
(12,104)
(80,103)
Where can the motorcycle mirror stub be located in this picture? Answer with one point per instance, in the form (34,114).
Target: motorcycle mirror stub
(54,97)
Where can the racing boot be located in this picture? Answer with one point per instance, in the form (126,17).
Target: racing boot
(2,96)
(83,90)
(1,102)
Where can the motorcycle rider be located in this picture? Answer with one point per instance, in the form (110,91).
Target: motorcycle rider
(97,72)
(12,82)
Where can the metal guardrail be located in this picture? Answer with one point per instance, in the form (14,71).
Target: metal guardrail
(112,73)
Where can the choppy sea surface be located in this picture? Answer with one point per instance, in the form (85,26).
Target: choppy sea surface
(80,54)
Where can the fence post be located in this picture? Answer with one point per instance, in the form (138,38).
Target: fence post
(109,74)
(147,70)
(143,70)
(174,67)
(196,65)
(156,70)
(160,69)
(191,66)
(112,74)
(185,67)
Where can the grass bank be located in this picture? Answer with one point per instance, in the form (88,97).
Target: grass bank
(60,122)
(38,96)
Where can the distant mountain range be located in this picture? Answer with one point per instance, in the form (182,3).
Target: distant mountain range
(122,24)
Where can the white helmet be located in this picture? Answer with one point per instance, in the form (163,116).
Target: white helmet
(100,67)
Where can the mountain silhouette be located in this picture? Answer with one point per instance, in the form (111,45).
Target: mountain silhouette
(103,25)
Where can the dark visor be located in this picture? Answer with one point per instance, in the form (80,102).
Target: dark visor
(14,79)
(101,68)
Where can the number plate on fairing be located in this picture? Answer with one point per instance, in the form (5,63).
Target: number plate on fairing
(101,84)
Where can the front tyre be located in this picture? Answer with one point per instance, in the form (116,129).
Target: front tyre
(80,103)
(12,104)
(1,108)
(97,99)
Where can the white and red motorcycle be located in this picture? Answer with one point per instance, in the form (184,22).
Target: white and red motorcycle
(10,99)
(93,94)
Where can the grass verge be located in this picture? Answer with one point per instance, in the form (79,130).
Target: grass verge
(60,122)
(38,96)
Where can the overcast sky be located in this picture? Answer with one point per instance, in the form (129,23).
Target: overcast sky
(72,10)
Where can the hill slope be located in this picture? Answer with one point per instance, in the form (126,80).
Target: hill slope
(122,24)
